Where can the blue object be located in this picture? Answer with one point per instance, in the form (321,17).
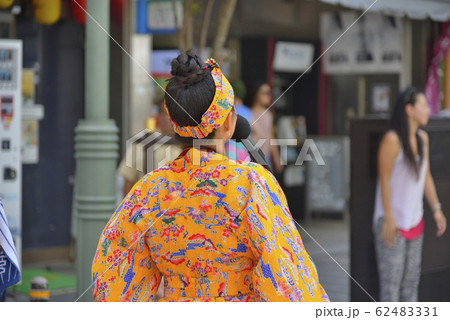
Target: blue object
(244,111)
(9,266)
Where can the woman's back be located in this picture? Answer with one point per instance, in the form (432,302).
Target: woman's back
(194,243)
(215,229)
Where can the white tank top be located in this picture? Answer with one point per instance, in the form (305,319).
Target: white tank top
(406,193)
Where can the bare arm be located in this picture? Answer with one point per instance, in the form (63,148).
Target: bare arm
(387,152)
(430,190)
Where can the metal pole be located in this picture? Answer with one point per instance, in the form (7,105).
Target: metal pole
(96,148)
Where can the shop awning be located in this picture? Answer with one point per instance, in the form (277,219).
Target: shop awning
(437,10)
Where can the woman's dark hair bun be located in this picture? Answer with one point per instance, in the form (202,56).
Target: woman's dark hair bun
(190,91)
(187,69)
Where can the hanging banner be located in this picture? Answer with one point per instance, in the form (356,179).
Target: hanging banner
(435,81)
(158,16)
(372,45)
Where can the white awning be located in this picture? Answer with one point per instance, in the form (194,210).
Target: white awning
(437,10)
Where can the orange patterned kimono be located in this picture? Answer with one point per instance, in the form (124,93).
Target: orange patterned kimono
(213,228)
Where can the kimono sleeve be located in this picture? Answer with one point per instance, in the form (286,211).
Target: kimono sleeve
(284,271)
(123,269)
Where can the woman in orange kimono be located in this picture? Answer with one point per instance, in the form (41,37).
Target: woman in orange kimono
(214,229)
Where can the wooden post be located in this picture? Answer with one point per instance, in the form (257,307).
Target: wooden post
(223,26)
(446,89)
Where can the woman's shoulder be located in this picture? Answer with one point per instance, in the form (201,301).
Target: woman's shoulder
(258,176)
(251,172)
(251,167)
(390,144)
(391,137)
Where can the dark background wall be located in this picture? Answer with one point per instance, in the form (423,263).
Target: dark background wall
(47,191)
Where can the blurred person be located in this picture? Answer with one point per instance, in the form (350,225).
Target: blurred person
(214,228)
(259,99)
(131,174)
(236,150)
(403,178)
(9,265)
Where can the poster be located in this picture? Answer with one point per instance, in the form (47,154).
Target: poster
(381,94)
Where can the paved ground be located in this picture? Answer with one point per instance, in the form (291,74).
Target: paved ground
(328,243)
(333,235)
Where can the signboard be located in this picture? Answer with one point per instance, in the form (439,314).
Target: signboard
(10,137)
(371,44)
(292,57)
(327,186)
(158,16)
(160,62)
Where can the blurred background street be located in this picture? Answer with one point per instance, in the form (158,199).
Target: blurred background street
(82,83)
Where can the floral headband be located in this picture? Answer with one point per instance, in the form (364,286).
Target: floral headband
(217,112)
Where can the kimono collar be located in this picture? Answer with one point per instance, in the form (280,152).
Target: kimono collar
(195,157)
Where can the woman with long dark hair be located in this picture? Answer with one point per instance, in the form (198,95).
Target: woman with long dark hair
(215,229)
(403,178)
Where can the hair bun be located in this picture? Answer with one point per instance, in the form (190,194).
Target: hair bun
(187,69)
